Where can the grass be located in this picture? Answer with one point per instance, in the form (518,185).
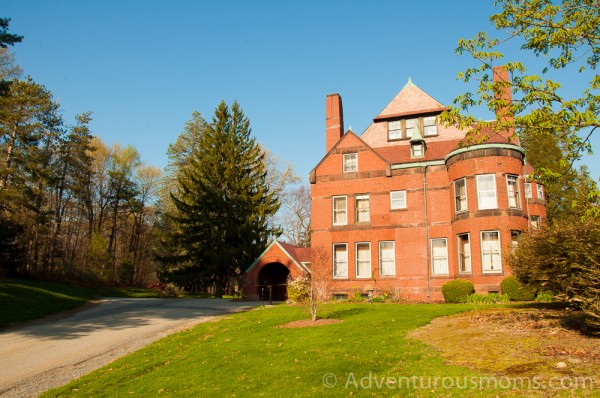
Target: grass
(248,355)
(26,300)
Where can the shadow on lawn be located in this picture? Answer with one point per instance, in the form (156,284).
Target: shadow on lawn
(346,313)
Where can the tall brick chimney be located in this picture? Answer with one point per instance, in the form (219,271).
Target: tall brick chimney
(334,121)
(503,112)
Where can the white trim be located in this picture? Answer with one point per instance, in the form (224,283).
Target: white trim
(333,268)
(356,260)
(447,260)
(299,265)
(517,192)
(493,271)
(458,245)
(392,200)
(355,162)
(479,192)
(333,209)
(464,179)
(393,258)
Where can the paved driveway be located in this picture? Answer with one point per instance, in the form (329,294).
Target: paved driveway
(42,356)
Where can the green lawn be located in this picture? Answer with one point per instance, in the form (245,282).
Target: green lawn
(26,300)
(247,355)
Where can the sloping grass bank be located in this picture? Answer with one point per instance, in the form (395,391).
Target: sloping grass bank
(26,300)
(248,355)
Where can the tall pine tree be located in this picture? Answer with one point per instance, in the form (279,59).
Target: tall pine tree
(223,203)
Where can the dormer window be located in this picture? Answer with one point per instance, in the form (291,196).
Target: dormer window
(417,150)
(350,163)
(404,129)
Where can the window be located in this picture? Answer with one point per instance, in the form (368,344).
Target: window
(429,126)
(387,259)
(340,260)
(395,130)
(460,195)
(486,191)
(417,150)
(514,239)
(490,251)
(340,213)
(350,163)
(398,200)
(464,253)
(363,260)
(540,191)
(411,125)
(363,213)
(536,222)
(512,186)
(439,256)
(528,194)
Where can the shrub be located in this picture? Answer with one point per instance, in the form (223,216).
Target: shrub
(298,290)
(516,290)
(490,298)
(544,297)
(457,291)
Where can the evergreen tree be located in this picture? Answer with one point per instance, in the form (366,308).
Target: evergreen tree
(223,203)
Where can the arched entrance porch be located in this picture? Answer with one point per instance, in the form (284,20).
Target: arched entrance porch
(273,276)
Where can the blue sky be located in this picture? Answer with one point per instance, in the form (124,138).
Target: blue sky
(143,67)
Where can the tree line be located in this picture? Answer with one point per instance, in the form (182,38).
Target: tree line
(76,208)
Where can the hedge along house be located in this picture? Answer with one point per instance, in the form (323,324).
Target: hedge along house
(403,208)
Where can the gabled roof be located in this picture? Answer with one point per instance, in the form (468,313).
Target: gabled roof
(409,101)
(298,255)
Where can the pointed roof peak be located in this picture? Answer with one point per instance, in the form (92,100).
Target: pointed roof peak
(416,135)
(411,100)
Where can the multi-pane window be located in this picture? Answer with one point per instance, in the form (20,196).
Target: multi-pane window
(429,126)
(363,260)
(486,191)
(395,130)
(439,256)
(464,253)
(411,125)
(528,194)
(363,213)
(540,191)
(491,259)
(417,150)
(350,162)
(536,222)
(340,260)
(512,186)
(387,262)
(398,200)
(460,195)
(340,210)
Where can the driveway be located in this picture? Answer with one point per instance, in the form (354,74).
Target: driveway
(47,355)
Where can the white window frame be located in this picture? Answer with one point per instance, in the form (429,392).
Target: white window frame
(512,189)
(429,129)
(350,163)
(540,191)
(363,261)
(395,130)
(391,263)
(514,239)
(458,199)
(494,254)
(483,206)
(400,202)
(464,256)
(528,193)
(444,260)
(339,265)
(358,210)
(421,150)
(335,210)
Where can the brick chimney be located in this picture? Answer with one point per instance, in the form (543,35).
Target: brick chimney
(503,112)
(334,121)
